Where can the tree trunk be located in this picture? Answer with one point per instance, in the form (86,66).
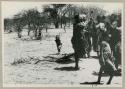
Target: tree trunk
(29,28)
(35,33)
(28,32)
(19,31)
(69,18)
(56,24)
(35,30)
(19,35)
(61,22)
(65,26)
(46,27)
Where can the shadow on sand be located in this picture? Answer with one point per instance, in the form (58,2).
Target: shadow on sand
(58,59)
(54,54)
(95,57)
(89,83)
(105,74)
(67,68)
(97,73)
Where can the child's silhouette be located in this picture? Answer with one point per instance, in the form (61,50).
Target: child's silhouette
(58,43)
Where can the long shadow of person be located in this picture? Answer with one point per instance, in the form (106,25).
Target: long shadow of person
(67,68)
(104,75)
(89,83)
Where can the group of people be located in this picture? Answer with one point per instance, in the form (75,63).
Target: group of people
(97,35)
(102,37)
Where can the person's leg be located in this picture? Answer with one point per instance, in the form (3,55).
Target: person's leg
(89,49)
(116,63)
(91,39)
(95,43)
(100,74)
(110,79)
(76,61)
(117,59)
(98,50)
(58,49)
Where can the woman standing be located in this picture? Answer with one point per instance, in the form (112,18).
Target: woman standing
(78,40)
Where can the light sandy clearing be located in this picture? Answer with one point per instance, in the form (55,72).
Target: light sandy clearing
(46,72)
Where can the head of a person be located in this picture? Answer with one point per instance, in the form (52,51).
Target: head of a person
(57,37)
(82,17)
(102,26)
(103,44)
(91,19)
(114,24)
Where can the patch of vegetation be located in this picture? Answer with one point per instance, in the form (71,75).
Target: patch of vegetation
(29,60)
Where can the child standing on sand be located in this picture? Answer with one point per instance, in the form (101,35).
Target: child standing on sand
(58,43)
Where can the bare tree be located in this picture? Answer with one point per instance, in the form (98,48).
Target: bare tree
(8,24)
(54,10)
(33,20)
(19,23)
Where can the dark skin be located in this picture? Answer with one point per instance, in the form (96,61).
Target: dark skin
(76,62)
(58,43)
(77,40)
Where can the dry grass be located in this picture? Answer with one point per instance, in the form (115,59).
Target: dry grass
(28,60)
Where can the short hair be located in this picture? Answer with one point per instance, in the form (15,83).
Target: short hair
(82,16)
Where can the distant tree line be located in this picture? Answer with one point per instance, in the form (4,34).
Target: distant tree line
(57,15)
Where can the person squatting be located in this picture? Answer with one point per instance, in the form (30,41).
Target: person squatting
(102,37)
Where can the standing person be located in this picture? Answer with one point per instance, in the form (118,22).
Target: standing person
(106,61)
(115,43)
(101,33)
(117,54)
(88,42)
(91,34)
(78,39)
(115,36)
(96,34)
(58,43)
(86,36)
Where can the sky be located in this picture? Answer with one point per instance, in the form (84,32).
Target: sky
(9,9)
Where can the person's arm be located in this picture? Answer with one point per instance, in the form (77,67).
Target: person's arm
(111,64)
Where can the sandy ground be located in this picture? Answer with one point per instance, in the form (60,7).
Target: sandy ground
(47,71)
